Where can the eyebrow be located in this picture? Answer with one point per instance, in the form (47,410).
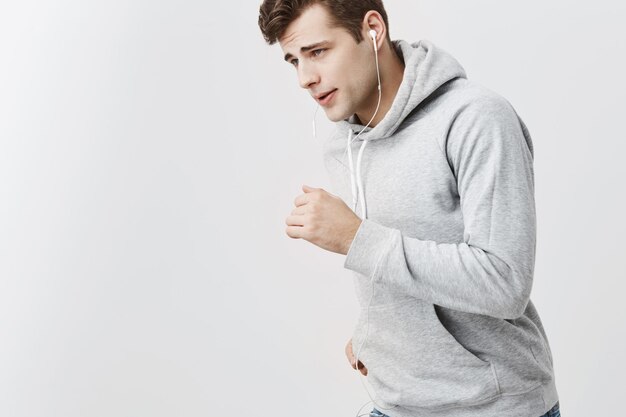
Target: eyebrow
(305,49)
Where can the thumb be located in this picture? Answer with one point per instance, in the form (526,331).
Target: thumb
(307,189)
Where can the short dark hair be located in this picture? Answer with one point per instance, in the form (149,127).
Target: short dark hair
(276,15)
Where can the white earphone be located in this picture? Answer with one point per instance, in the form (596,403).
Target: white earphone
(373,35)
(357,190)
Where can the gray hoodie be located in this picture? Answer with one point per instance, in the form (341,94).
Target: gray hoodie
(444,257)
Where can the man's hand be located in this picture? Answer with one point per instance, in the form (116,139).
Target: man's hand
(323,219)
(351,358)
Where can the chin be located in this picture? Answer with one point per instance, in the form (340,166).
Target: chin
(336,116)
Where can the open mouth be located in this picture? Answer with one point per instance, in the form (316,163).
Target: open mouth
(325,99)
(326,95)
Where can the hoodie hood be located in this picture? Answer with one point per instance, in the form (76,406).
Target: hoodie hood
(427,67)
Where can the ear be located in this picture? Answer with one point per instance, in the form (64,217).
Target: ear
(373,20)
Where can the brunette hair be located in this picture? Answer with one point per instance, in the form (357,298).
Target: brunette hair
(276,15)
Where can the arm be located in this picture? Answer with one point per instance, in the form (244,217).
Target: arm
(491,271)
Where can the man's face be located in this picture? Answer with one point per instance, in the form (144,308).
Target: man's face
(339,63)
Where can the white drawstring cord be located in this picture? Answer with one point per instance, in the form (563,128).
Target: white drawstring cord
(360,182)
(358,194)
(352,180)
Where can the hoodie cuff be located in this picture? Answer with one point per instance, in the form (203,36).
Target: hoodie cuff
(368,248)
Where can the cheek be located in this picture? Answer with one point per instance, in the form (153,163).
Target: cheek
(353,92)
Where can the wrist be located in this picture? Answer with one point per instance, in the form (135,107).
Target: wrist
(351,234)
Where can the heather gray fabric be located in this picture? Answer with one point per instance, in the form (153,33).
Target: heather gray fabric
(447,247)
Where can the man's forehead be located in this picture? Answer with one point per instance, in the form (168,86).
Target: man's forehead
(299,35)
(311,26)
(292,38)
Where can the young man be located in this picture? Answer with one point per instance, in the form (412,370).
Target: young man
(443,250)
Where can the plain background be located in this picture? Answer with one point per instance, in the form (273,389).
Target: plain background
(150,152)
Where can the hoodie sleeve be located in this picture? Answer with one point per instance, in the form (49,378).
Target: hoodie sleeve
(491,271)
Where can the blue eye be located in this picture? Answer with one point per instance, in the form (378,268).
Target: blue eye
(318,50)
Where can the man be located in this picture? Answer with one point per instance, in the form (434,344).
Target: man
(443,250)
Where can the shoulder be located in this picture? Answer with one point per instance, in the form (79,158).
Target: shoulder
(467,108)
(467,98)
(478,118)
(463,109)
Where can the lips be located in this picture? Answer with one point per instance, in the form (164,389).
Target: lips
(325,98)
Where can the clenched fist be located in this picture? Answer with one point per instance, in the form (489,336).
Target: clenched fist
(323,219)
(351,358)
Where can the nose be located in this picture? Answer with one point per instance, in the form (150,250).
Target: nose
(307,76)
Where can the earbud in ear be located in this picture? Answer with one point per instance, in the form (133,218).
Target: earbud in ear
(373,35)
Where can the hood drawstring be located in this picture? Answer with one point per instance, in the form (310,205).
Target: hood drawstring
(427,68)
(356,183)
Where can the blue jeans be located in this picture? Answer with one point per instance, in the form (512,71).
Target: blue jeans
(553,412)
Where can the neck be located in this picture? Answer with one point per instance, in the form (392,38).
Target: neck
(391,69)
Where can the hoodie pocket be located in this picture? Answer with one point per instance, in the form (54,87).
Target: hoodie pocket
(413,361)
